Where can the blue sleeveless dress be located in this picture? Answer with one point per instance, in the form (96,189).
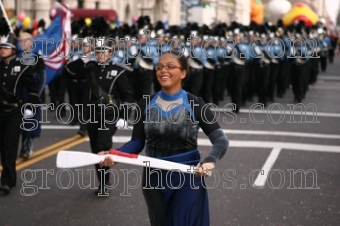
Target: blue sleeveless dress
(176,199)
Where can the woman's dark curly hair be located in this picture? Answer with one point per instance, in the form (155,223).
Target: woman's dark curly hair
(182,60)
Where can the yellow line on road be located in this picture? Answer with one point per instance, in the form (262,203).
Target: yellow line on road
(48,148)
(50,153)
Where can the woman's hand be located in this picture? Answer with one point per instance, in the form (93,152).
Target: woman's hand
(108,161)
(204,169)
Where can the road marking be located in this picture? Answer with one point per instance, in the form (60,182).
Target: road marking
(230,131)
(328,77)
(262,177)
(276,112)
(326,87)
(53,152)
(46,149)
(256,144)
(281,133)
(59,127)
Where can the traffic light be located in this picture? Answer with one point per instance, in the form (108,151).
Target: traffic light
(206,4)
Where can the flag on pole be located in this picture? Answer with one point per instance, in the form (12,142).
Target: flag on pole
(55,44)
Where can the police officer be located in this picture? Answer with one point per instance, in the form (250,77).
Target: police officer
(14,76)
(109,87)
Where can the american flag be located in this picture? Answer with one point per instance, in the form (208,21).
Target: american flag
(57,39)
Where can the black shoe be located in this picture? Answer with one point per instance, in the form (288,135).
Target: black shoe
(5,189)
(102,192)
(25,155)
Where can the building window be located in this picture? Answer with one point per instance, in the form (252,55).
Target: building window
(97,4)
(80,4)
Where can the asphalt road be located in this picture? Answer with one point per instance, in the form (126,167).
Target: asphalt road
(284,173)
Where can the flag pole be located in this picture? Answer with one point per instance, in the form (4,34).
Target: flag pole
(5,15)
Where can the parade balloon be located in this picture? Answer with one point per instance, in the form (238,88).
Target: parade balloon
(300,12)
(19,23)
(35,25)
(257,19)
(88,21)
(27,22)
(279,7)
(21,16)
(256,11)
(53,14)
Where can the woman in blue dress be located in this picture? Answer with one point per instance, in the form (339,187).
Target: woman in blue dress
(168,130)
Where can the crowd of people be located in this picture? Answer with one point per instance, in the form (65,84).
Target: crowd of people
(243,62)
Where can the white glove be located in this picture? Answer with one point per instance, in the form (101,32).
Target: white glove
(205,169)
(28,113)
(121,123)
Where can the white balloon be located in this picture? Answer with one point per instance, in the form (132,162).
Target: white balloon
(279,7)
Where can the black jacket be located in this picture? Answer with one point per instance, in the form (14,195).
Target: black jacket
(14,76)
(108,84)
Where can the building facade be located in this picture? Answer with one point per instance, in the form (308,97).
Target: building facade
(164,10)
(175,12)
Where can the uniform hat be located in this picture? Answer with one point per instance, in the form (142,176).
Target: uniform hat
(194,29)
(86,34)
(125,31)
(74,30)
(100,27)
(205,31)
(160,28)
(104,44)
(101,32)
(7,40)
(143,24)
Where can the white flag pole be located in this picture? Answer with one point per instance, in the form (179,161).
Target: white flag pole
(5,15)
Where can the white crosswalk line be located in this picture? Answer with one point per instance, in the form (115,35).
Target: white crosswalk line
(262,177)
(230,131)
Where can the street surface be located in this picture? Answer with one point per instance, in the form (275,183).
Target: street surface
(260,181)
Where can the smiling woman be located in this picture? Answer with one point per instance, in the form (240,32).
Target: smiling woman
(172,71)
(179,199)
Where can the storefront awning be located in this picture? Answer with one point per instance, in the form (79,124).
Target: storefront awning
(108,14)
